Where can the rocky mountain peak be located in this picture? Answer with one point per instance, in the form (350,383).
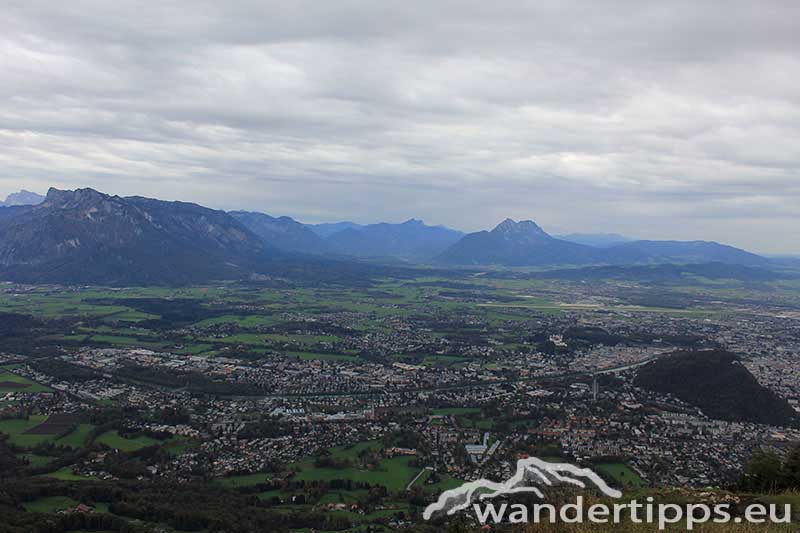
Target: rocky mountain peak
(71,199)
(524,228)
(23,197)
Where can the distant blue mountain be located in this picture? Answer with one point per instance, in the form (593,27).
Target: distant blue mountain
(514,243)
(688,252)
(327,229)
(411,240)
(87,237)
(786,260)
(526,244)
(282,232)
(84,236)
(598,240)
(22,197)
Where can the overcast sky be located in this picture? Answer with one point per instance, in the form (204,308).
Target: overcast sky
(652,119)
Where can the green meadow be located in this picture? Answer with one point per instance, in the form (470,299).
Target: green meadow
(50,504)
(10,382)
(620,473)
(113,439)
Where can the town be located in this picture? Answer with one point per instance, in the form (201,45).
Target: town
(413,387)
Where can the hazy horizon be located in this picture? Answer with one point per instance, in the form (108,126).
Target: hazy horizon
(659,121)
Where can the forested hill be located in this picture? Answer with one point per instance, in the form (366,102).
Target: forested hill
(718,383)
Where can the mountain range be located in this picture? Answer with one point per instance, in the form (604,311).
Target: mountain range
(524,243)
(516,244)
(410,240)
(282,232)
(598,240)
(326,229)
(85,236)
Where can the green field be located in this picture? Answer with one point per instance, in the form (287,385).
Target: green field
(178,446)
(66,474)
(244,321)
(456,411)
(323,356)
(53,304)
(112,439)
(472,421)
(16,428)
(443,360)
(77,438)
(444,483)
(49,505)
(27,385)
(263,330)
(556,308)
(393,473)
(352,452)
(620,473)
(36,461)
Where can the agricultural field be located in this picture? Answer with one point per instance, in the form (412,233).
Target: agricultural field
(78,438)
(66,474)
(394,473)
(36,461)
(621,474)
(114,440)
(10,382)
(256,322)
(36,429)
(51,504)
(18,431)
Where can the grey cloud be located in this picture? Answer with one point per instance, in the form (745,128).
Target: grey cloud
(656,119)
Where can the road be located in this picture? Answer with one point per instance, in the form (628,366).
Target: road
(417,477)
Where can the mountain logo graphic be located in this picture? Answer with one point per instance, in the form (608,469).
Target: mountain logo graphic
(532,475)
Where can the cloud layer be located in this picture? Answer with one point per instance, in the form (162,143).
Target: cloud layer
(653,119)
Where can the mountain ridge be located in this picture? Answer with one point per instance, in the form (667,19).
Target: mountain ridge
(326,229)
(525,243)
(282,232)
(597,240)
(513,243)
(410,240)
(85,236)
